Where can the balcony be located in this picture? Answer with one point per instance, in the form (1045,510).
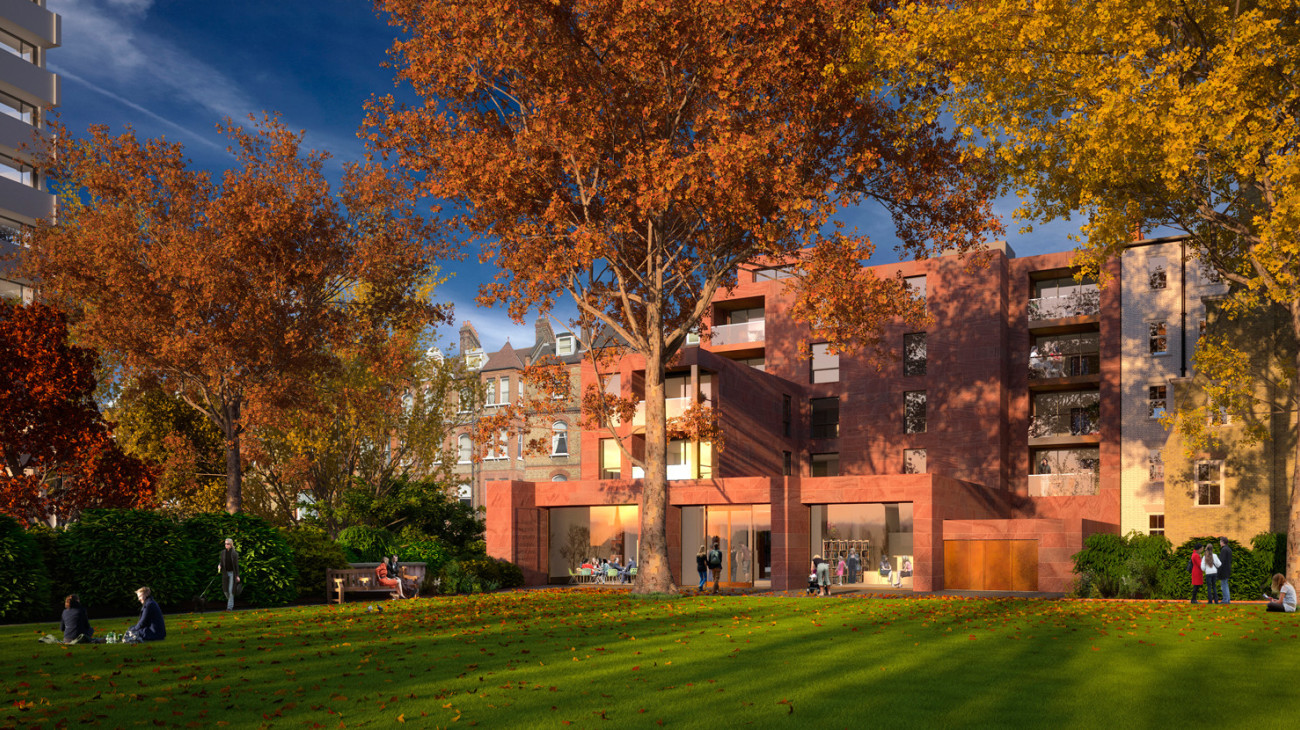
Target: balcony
(1075,422)
(1047,367)
(1077,484)
(1079,304)
(738,334)
(675,407)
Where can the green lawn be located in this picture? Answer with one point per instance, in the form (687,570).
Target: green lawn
(570,657)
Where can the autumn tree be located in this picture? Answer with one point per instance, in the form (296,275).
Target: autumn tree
(629,157)
(371,433)
(1136,115)
(228,293)
(57,454)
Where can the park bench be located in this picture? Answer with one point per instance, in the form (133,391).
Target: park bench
(361,578)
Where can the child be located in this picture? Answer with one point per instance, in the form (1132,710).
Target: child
(839,570)
(812,584)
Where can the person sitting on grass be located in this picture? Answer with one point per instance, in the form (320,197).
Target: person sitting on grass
(76,627)
(1285,601)
(151,626)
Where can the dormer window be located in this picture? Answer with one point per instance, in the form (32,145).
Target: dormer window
(475,359)
(565,345)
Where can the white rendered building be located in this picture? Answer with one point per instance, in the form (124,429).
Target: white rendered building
(27,91)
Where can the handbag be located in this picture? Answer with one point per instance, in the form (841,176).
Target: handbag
(239,586)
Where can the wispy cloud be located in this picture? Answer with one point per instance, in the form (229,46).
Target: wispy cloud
(204,139)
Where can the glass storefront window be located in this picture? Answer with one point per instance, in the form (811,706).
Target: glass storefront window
(578,534)
(873,541)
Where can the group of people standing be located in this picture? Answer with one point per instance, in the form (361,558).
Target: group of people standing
(1209,568)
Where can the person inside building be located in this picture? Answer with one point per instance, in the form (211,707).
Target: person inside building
(1285,601)
(151,626)
(822,570)
(855,565)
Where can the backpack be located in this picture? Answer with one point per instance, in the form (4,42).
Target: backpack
(715,558)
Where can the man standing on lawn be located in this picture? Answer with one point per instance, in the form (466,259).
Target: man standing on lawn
(1225,570)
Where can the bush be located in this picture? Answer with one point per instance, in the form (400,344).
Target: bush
(431,551)
(24,583)
(313,554)
(1270,549)
(51,543)
(266,563)
(479,574)
(1148,559)
(1103,561)
(364,544)
(112,552)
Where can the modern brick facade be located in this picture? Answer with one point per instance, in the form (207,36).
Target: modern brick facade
(1008,402)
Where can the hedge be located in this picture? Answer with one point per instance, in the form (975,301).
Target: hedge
(364,544)
(24,585)
(313,554)
(112,552)
(266,563)
(1147,566)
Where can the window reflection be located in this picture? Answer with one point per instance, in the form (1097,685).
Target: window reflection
(578,534)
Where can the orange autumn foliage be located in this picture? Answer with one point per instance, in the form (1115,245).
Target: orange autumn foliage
(631,157)
(57,456)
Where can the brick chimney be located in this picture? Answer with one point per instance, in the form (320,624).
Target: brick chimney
(543,331)
(468,338)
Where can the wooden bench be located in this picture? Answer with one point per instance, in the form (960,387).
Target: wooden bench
(361,578)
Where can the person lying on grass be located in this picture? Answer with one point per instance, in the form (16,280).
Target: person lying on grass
(1285,601)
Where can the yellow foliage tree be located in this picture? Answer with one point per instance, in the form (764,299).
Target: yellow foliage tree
(1133,113)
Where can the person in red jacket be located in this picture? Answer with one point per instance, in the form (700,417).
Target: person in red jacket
(381,574)
(1198,577)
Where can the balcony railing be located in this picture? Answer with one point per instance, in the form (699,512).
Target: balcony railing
(1063,485)
(1078,422)
(1080,304)
(735,334)
(674,407)
(675,471)
(1064,366)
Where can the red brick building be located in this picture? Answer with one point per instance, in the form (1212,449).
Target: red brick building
(979,457)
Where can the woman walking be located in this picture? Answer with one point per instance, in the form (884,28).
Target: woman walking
(702,565)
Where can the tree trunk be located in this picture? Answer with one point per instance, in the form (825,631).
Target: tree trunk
(234,476)
(1293,519)
(654,575)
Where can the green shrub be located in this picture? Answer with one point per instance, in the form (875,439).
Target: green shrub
(431,551)
(1250,569)
(1148,559)
(112,552)
(51,543)
(266,563)
(364,544)
(313,554)
(24,584)
(479,574)
(1270,548)
(1103,560)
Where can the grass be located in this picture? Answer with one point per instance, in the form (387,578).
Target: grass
(588,659)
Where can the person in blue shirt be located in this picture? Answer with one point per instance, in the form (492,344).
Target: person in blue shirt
(150,627)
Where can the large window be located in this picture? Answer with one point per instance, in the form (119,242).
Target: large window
(559,439)
(916,284)
(825,418)
(1209,483)
(914,411)
(825,465)
(1158,338)
(504,397)
(1156,401)
(825,366)
(914,354)
(610,459)
(1157,273)
(914,461)
(499,448)
(868,538)
(464,449)
(1155,524)
(1155,466)
(578,534)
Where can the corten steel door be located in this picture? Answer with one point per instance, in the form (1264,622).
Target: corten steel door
(990,565)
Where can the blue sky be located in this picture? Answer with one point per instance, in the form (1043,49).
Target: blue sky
(175,68)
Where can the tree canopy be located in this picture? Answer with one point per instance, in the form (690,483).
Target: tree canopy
(630,157)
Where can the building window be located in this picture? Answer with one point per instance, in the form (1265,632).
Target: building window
(1217,416)
(785,415)
(564,345)
(914,411)
(491,393)
(610,457)
(465,400)
(559,478)
(914,461)
(1155,466)
(1210,275)
(914,354)
(825,465)
(559,439)
(1156,401)
(787,463)
(916,284)
(771,273)
(1158,338)
(464,449)
(825,366)
(1157,273)
(1209,483)
(1200,329)
(504,398)
(465,494)
(519,453)
(825,418)
(1156,525)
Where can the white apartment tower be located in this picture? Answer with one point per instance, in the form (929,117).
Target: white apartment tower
(27,91)
(1164,289)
